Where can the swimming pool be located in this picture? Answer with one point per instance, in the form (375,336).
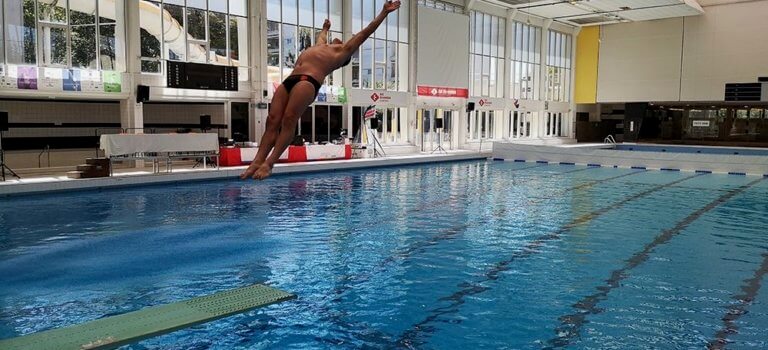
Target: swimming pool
(453,255)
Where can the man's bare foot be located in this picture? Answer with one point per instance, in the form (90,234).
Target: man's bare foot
(263,172)
(251,169)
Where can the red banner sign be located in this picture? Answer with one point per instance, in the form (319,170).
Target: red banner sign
(439,91)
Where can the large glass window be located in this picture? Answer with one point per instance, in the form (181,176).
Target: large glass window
(526,61)
(559,66)
(54,33)
(382,61)
(292,26)
(486,54)
(206,31)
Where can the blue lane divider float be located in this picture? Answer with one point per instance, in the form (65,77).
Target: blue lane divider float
(700,171)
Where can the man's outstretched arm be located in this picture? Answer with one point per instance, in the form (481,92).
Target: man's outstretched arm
(352,44)
(322,36)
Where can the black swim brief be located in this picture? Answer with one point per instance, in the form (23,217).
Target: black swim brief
(292,80)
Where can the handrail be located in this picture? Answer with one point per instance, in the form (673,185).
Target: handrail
(46,149)
(609,139)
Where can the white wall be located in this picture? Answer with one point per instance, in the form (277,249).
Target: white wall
(640,61)
(727,45)
(443,49)
(684,59)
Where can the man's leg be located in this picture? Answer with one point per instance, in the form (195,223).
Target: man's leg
(272,129)
(302,95)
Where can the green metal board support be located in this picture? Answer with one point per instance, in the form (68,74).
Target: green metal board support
(132,327)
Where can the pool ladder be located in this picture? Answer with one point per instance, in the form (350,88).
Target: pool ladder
(609,140)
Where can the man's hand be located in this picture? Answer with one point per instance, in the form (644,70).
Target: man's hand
(327,24)
(391,6)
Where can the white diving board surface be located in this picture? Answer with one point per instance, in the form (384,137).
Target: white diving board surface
(132,327)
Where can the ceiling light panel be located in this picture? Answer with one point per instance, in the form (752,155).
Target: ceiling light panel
(660,12)
(557,10)
(617,5)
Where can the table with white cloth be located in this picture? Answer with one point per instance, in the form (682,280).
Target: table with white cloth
(157,147)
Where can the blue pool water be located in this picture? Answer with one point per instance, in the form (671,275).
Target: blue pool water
(451,256)
(694,149)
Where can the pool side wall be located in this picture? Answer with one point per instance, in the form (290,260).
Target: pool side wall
(594,155)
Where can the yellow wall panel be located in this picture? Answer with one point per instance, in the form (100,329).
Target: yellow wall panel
(587,56)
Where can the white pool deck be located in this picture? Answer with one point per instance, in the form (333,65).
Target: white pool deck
(137,177)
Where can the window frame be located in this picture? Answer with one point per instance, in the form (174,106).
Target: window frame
(189,41)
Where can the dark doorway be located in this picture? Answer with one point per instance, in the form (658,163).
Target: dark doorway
(240,124)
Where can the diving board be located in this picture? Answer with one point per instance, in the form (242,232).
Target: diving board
(132,327)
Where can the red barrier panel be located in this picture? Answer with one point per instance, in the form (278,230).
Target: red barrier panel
(234,156)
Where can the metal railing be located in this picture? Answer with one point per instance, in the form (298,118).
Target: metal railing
(46,150)
(610,140)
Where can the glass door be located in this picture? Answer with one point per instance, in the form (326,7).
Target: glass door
(519,125)
(554,125)
(240,121)
(437,128)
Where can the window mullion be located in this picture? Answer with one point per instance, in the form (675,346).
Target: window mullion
(207,45)
(68,33)
(228,35)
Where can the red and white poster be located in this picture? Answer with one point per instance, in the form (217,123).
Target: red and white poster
(441,91)
(381,97)
(484,102)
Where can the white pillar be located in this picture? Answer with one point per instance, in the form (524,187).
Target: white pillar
(570,122)
(346,34)
(131,112)
(413,116)
(509,45)
(121,48)
(258,76)
(544,53)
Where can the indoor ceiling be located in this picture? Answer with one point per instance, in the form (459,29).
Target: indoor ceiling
(596,12)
